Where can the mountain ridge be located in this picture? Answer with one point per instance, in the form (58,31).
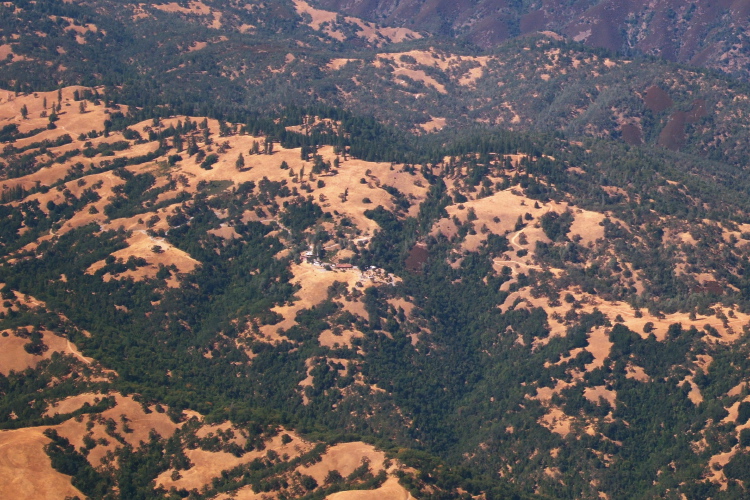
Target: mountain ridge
(287,253)
(710,35)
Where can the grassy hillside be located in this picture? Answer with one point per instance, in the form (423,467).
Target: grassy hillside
(261,250)
(518,304)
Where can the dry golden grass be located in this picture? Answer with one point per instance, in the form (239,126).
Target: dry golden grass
(318,16)
(25,469)
(545,394)
(594,394)
(7,49)
(599,347)
(345,457)
(79,31)
(328,339)
(225,232)
(337,64)
(433,125)
(141,244)
(244,493)
(71,121)
(390,490)
(192,8)
(717,462)
(374,33)
(420,76)
(505,205)
(138,421)
(734,410)
(716,467)
(326,21)
(737,390)
(258,166)
(402,303)
(316,121)
(448,63)
(71,404)
(314,282)
(462,70)
(207,465)
(637,373)
(695,394)
(729,330)
(13,357)
(588,226)
(557,421)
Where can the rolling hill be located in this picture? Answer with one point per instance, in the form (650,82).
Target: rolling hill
(267,250)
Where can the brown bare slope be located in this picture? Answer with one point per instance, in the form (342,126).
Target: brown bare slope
(700,33)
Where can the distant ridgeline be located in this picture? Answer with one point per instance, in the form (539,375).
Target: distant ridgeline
(223,60)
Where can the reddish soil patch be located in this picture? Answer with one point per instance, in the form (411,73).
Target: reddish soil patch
(672,135)
(632,134)
(417,256)
(533,21)
(657,100)
(709,287)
